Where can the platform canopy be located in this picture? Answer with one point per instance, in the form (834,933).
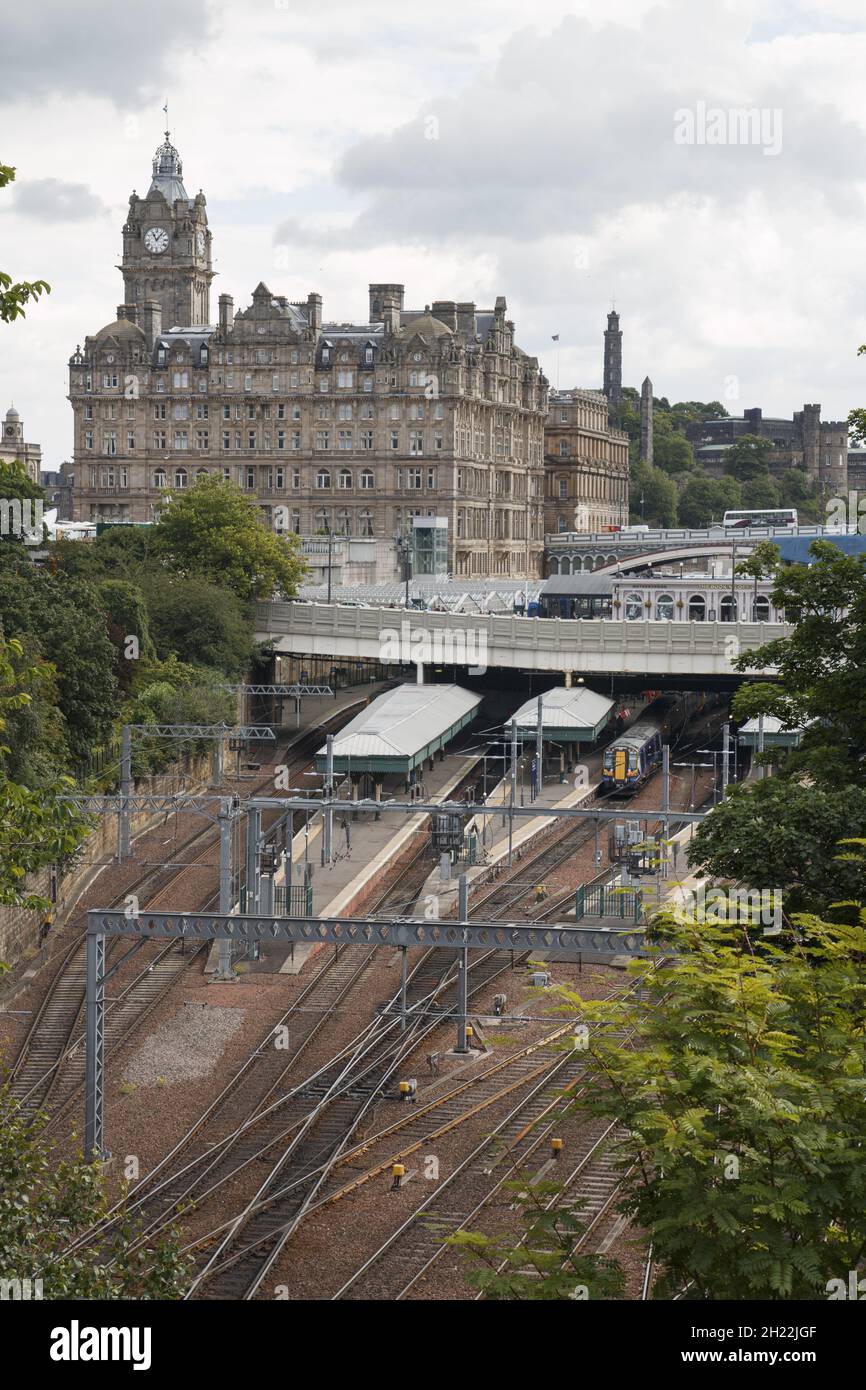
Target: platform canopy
(402,727)
(775,736)
(570,715)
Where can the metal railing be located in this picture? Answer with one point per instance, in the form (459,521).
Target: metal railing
(714,534)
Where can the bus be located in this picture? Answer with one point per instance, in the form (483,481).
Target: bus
(779,516)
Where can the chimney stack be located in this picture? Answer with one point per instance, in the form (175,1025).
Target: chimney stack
(152,320)
(386,306)
(314,311)
(227,312)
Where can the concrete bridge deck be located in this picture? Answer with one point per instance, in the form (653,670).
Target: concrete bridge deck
(480,642)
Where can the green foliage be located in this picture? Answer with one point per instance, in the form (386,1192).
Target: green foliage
(546,1264)
(857,417)
(780,833)
(705,500)
(748,457)
(63,620)
(672,452)
(820,665)
(214,531)
(173,692)
(46,1203)
(127,617)
(659,493)
(36,828)
(741,1106)
(35,730)
(199,622)
(761,492)
(13,297)
(120,552)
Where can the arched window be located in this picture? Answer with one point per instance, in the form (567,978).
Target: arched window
(664,608)
(761,609)
(367,479)
(180,477)
(323,524)
(365,523)
(728,610)
(323,479)
(202,473)
(565,567)
(633,607)
(344,479)
(344,525)
(554,566)
(697,609)
(159,478)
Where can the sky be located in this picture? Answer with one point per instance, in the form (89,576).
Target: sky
(564,155)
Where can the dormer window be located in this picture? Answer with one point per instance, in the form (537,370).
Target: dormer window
(326,356)
(203,355)
(368,356)
(160,357)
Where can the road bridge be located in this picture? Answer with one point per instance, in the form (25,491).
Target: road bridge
(578,552)
(479,642)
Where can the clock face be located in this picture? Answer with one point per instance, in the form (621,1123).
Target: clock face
(156,240)
(200,242)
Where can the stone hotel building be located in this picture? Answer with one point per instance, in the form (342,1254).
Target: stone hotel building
(423,425)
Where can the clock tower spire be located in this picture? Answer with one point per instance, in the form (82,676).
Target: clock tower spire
(167,247)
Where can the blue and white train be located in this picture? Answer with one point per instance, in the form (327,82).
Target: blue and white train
(635,755)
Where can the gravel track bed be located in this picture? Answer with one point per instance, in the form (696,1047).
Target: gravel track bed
(336,1239)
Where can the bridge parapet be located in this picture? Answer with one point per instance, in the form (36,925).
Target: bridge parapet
(482,641)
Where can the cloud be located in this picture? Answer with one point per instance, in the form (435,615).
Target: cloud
(58,201)
(574,126)
(95,47)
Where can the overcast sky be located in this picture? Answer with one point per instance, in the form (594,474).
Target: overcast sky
(467,149)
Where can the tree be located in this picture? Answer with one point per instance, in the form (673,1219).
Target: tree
(36,827)
(704,499)
(46,1203)
(214,531)
(199,623)
(672,452)
(820,665)
(759,493)
(781,834)
(748,457)
(172,692)
(13,297)
(63,619)
(127,624)
(739,1100)
(857,417)
(659,495)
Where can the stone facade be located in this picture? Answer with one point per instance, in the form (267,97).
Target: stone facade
(13,446)
(586,465)
(354,427)
(820,447)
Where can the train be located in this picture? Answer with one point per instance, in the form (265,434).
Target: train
(634,755)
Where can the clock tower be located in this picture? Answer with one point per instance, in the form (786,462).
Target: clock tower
(167,247)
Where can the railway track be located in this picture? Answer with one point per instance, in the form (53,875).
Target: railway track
(404,1259)
(341,1094)
(55,1037)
